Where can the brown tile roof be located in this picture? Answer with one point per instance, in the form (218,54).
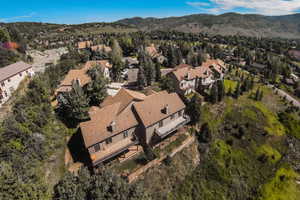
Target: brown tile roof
(183,66)
(150,110)
(101,47)
(217,64)
(101,63)
(84,44)
(74,74)
(115,109)
(96,130)
(124,97)
(13,69)
(81,75)
(184,71)
(152,51)
(191,73)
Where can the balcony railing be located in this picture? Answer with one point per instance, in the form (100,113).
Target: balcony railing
(113,150)
(172,126)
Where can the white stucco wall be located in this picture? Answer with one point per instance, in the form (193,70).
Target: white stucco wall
(9,85)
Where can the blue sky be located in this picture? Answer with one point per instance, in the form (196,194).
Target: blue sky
(82,11)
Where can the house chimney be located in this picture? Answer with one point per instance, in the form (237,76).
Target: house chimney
(78,81)
(112,127)
(165,110)
(188,76)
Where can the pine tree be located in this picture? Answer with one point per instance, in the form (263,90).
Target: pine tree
(149,72)
(141,78)
(74,104)
(194,108)
(237,91)
(221,90)
(116,58)
(158,72)
(167,83)
(4,35)
(261,95)
(214,93)
(257,94)
(229,93)
(251,83)
(96,90)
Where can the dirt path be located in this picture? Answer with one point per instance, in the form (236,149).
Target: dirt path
(287,96)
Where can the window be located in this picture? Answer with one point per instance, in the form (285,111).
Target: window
(8,80)
(20,74)
(180,113)
(172,116)
(161,123)
(108,141)
(97,147)
(125,134)
(5,93)
(3,84)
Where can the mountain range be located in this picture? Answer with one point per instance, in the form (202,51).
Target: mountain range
(287,26)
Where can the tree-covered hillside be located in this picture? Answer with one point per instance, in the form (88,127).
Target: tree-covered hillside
(225,24)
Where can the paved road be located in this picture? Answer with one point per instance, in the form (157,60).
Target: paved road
(289,98)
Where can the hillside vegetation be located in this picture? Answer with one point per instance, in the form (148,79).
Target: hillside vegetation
(225,24)
(248,155)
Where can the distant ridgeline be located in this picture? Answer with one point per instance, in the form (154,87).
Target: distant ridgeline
(226,24)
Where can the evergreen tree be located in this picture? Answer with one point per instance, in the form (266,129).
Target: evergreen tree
(96,90)
(158,72)
(214,93)
(149,72)
(116,58)
(257,94)
(74,105)
(168,84)
(261,95)
(237,91)
(221,90)
(4,35)
(251,83)
(172,59)
(194,109)
(104,185)
(205,134)
(141,78)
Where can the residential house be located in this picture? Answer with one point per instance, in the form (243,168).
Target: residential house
(188,79)
(10,78)
(84,44)
(102,48)
(130,118)
(81,75)
(105,66)
(160,114)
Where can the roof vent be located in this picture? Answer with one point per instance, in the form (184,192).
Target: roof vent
(112,127)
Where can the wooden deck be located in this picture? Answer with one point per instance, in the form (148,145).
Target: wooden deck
(112,150)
